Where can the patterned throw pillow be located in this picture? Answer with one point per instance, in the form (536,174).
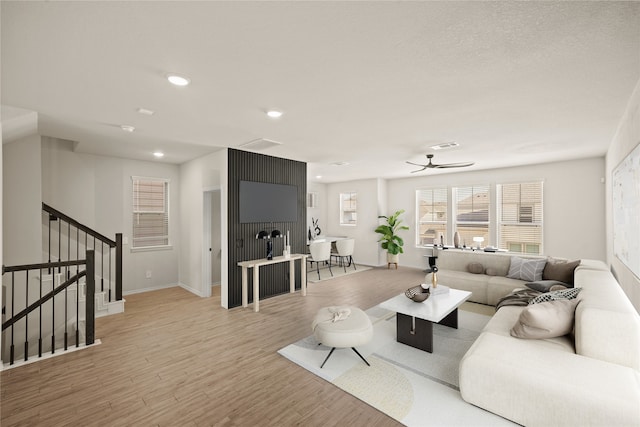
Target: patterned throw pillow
(526,269)
(570,293)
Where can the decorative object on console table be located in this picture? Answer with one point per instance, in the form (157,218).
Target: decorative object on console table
(286,252)
(274,235)
(478,241)
(390,240)
(456,239)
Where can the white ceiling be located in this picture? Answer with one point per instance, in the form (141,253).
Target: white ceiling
(371,83)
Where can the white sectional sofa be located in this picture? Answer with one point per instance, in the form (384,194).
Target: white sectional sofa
(485,288)
(590,377)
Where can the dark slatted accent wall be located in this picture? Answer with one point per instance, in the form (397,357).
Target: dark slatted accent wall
(274,279)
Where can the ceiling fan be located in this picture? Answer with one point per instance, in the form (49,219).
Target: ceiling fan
(434,166)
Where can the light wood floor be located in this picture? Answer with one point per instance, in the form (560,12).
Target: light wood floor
(175,359)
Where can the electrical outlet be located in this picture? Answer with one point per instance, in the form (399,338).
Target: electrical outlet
(148,274)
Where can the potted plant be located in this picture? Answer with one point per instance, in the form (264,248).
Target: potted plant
(390,241)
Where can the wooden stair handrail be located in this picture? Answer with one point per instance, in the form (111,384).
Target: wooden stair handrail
(89,231)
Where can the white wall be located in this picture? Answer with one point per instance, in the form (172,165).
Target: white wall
(196,177)
(366,249)
(97,191)
(625,140)
(22,203)
(574,214)
(320,211)
(573,205)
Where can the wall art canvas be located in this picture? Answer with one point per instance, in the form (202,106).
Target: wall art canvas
(626,211)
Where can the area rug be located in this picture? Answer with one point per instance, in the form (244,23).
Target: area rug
(412,386)
(338,271)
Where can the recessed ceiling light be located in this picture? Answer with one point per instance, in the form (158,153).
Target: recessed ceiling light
(274,114)
(145,111)
(178,80)
(158,154)
(318,176)
(339,163)
(127,128)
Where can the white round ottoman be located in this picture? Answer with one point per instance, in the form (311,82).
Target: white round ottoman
(341,327)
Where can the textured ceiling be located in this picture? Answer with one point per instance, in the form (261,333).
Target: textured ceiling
(369,83)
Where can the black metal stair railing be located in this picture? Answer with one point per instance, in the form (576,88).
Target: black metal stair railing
(44,307)
(67,241)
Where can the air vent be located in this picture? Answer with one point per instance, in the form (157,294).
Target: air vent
(260,144)
(445,145)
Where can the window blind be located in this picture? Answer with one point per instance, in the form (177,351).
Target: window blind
(431,214)
(150,212)
(348,208)
(472,213)
(520,217)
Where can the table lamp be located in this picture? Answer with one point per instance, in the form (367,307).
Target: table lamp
(478,241)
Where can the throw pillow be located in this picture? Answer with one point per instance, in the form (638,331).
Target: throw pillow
(570,293)
(560,270)
(546,320)
(545,285)
(526,269)
(491,271)
(475,268)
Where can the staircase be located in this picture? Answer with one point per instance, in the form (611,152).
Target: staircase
(50,308)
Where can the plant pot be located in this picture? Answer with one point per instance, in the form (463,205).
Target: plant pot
(392,258)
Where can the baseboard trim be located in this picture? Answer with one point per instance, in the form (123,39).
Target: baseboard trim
(154,288)
(48,355)
(192,290)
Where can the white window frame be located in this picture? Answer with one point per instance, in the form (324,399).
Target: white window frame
(537,218)
(457,224)
(420,223)
(136,212)
(353,197)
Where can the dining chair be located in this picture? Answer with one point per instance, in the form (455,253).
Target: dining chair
(345,252)
(320,252)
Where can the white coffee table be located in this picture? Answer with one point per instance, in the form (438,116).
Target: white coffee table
(414,320)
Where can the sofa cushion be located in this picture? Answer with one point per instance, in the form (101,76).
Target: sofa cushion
(474,283)
(570,293)
(560,270)
(546,320)
(475,268)
(546,285)
(526,269)
(607,324)
(504,319)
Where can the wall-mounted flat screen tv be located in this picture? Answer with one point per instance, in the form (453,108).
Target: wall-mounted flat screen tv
(265,202)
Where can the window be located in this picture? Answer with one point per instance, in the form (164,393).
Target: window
(520,217)
(432,215)
(472,213)
(348,208)
(150,212)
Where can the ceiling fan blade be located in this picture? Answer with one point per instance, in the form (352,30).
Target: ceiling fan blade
(454,165)
(415,164)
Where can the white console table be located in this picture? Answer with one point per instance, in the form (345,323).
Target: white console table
(257,263)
